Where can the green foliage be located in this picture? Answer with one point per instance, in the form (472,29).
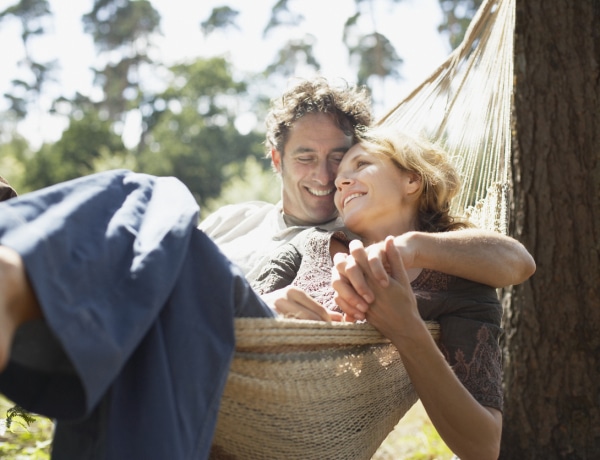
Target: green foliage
(194,137)
(82,147)
(414,438)
(371,52)
(282,16)
(114,23)
(28,12)
(294,55)
(376,56)
(457,17)
(189,128)
(122,29)
(222,17)
(18,412)
(27,89)
(249,183)
(13,157)
(23,435)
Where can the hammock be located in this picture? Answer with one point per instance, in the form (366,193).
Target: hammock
(311,390)
(316,390)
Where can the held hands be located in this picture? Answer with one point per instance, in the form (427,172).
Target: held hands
(293,302)
(353,293)
(372,283)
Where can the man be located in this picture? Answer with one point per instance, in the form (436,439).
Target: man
(309,129)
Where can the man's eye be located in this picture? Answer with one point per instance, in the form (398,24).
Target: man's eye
(304,159)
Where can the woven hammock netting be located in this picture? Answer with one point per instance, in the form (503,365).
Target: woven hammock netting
(315,390)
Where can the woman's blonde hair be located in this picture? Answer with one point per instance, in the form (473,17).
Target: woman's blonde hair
(440,181)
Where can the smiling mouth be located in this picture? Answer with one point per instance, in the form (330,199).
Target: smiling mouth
(349,198)
(312,191)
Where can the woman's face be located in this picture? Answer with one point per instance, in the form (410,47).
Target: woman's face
(374,197)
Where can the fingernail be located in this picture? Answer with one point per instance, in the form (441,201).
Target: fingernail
(362,307)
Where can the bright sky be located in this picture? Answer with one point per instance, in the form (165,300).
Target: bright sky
(412,29)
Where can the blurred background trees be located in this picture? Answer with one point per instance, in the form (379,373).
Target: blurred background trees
(195,120)
(189,116)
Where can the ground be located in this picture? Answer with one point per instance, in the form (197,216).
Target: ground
(414,438)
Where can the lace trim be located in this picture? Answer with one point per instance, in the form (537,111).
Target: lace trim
(482,374)
(432,281)
(314,275)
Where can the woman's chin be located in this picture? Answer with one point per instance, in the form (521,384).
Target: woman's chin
(352,223)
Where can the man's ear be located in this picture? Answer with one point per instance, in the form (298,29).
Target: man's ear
(276,160)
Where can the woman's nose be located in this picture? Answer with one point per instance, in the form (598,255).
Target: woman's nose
(341,180)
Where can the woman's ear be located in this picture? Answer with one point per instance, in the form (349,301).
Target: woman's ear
(414,182)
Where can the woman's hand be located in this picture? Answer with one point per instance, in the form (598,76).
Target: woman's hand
(372,283)
(394,309)
(351,273)
(293,302)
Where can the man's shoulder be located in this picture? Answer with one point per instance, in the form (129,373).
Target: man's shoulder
(235,214)
(240,209)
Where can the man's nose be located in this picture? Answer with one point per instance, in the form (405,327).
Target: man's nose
(324,173)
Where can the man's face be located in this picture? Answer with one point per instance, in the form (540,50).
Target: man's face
(308,167)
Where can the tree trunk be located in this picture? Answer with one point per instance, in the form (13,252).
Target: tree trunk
(552,322)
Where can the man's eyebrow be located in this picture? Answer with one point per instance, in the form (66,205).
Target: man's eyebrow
(300,150)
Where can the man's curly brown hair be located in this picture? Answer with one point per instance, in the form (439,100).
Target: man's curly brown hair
(349,106)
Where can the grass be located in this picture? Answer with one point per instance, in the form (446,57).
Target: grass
(414,438)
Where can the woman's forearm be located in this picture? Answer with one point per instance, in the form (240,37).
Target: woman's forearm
(470,430)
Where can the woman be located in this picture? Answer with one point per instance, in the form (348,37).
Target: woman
(391,184)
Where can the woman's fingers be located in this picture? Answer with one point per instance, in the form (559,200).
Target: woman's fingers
(395,263)
(357,271)
(378,263)
(345,295)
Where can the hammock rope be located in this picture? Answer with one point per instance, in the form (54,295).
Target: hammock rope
(465,106)
(316,390)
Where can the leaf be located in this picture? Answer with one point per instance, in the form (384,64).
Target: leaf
(18,411)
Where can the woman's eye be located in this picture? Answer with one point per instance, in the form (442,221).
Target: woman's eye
(361,163)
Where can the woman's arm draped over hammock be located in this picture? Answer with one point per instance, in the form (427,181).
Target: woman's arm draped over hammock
(459,384)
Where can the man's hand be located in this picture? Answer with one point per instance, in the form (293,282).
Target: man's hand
(295,303)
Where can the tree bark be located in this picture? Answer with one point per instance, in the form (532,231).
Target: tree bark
(552,322)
